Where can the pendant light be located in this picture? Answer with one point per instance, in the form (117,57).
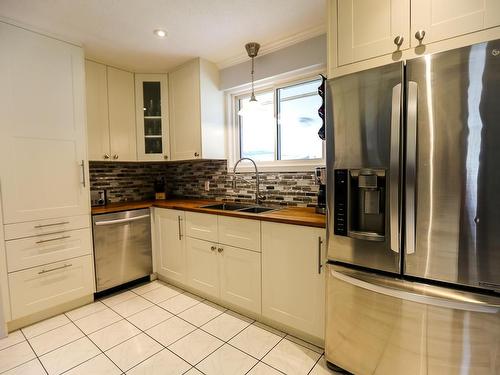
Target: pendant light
(253,106)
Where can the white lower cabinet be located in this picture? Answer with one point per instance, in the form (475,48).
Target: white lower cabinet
(202,266)
(217,270)
(283,283)
(240,278)
(40,288)
(224,272)
(170,245)
(293,283)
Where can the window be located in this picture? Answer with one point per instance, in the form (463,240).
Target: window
(286,125)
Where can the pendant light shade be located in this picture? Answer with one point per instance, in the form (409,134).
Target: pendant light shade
(253,106)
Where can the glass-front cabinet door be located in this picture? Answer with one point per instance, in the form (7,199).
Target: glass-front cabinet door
(152,123)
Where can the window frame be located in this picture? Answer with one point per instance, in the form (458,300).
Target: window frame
(234,139)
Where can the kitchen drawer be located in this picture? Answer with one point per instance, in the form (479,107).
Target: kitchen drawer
(40,288)
(35,228)
(42,249)
(238,232)
(202,226)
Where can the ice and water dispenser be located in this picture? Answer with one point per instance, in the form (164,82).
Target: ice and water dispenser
(359,203)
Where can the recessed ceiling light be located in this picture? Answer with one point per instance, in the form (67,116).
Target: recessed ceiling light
(160,33)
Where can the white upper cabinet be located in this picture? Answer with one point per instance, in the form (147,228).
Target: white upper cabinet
(370,28)
(151,116)
(97,110)
(196,109)
(121,115)
(110,113)
(363,34)
(43,167)
(443,19)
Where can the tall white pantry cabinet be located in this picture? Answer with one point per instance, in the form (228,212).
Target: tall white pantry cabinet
(44,180)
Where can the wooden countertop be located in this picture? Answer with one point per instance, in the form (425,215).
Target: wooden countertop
(287,215)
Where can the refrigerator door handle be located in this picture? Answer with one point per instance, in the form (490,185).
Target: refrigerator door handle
(394,168)
(411,166)
(429,295)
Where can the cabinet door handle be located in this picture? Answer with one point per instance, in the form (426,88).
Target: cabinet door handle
(50,225)
(54,269)
(213,248)
(53,239)
(82,165)
(165,157)
(320,265)
(179,219)
(419,35)
(106,156)
(115,156)
(398,41)
(196,154)
(220,249)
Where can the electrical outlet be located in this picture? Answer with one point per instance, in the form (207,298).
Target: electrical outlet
(207,185)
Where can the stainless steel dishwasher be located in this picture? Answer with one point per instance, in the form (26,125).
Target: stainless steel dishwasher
(122,247)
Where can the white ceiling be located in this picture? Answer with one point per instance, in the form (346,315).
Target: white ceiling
(120,32)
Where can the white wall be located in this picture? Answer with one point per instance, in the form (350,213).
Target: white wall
(311,52)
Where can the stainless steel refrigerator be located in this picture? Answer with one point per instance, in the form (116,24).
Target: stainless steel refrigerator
(413,194)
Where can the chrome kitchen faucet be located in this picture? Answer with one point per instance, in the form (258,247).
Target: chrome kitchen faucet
(258,198)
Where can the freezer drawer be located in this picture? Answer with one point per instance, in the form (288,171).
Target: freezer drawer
(122,247)
(381,325)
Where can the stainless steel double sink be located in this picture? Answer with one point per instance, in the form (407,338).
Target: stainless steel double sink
(239,208)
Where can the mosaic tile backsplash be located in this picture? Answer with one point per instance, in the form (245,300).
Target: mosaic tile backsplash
(135,181)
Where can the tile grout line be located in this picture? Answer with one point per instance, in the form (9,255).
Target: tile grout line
(225,310)
(315,364)
(142,331)
(225,342)
(17,343)
(196,328)
(180,292)
(269,351)
(102,352)
(201,329)
(36,356)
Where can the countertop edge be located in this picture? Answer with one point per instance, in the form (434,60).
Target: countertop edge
(310,218)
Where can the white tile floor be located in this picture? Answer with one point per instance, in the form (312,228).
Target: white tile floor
(156,329)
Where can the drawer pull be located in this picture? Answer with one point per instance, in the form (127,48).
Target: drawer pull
(51,225)
(55,269)
(53,239)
